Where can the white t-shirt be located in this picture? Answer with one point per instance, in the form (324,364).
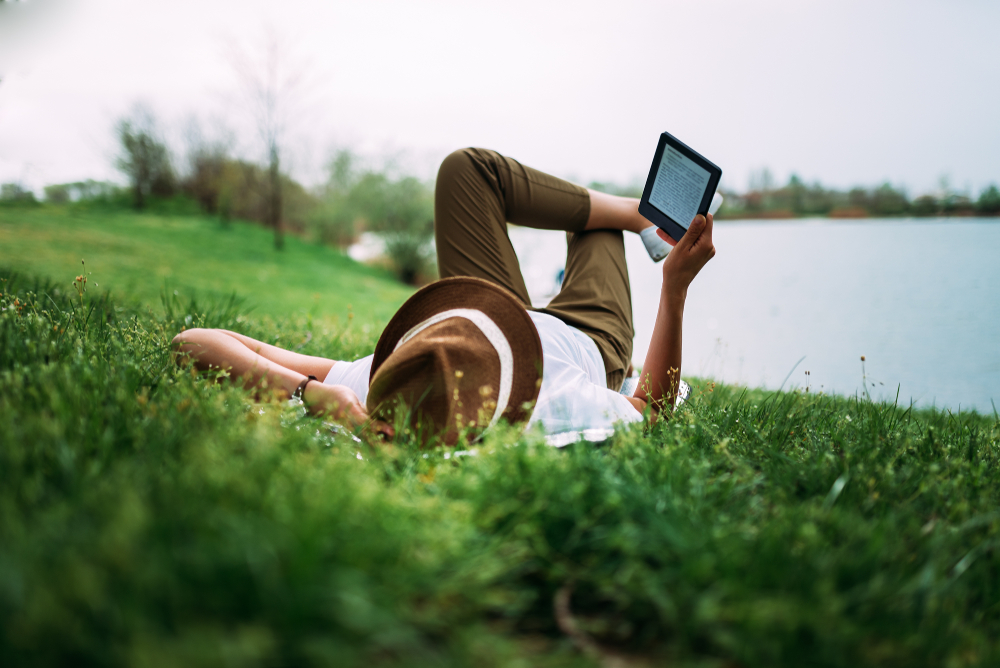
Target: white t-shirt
(573,402)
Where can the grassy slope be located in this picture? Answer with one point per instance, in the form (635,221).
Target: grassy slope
(148,517)
(136,256)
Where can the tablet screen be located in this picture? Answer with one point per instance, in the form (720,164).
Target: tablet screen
(679,186)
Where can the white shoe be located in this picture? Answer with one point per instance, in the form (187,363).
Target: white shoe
(655,246)
(683,389)
(716,203)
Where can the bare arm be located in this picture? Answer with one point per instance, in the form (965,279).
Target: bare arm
(264,366)
(260,365)
(612,212)
(661,372)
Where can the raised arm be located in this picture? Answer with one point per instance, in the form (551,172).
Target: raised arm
(661,372)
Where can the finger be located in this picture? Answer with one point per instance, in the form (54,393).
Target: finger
(694,231)
(358,415)
(705,237)
(666,237)
(697,224)
(382,428)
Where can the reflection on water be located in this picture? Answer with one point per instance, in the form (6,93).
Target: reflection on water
(919,299)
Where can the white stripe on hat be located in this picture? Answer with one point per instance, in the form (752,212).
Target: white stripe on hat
(493,334)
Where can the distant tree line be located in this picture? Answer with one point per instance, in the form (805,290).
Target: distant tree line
(357,197)
(797,199)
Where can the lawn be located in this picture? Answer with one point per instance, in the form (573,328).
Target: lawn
(152,517)
(136,257)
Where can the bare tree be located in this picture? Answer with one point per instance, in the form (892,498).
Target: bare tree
(144,158)
(208,157)
(271,85)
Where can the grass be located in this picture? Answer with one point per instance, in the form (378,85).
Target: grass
(152,517)
(136,257)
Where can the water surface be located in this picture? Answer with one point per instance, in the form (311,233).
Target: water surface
(919,299)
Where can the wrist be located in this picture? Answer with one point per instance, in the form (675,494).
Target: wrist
(673,294)
(316,399)
(300,391)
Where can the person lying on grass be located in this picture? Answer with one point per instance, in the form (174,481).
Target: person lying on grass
(469,349)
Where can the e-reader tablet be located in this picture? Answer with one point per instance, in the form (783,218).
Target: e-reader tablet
(681,185)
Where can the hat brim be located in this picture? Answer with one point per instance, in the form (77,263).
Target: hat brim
(502,307)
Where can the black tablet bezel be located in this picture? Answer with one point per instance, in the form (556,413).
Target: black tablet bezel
(657,217)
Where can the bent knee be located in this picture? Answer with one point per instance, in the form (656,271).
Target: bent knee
(454,163)
(464,160)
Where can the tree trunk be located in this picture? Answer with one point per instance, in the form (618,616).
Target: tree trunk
(138,200)
(274,203)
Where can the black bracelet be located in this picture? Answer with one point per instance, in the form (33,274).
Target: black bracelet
(301,389)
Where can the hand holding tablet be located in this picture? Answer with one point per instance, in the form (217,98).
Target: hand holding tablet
(681,184)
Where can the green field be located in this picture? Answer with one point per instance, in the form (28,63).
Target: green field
(136,257)
(151,517)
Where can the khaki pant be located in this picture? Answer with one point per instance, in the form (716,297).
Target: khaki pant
(479,191)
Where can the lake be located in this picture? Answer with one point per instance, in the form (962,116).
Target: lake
(920,299)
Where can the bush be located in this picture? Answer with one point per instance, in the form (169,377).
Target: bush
(242,193)
(925,205)
(989,202)
(403,210)
(144,158)
(400,208)
(85,192)
(15,193)
(887,201)
(58,194)
(204,181)
(411,255)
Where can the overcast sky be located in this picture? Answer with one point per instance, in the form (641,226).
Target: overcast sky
(844,92)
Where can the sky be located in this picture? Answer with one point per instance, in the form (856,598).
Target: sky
(846,93)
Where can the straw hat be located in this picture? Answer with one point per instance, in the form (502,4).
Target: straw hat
(460,354)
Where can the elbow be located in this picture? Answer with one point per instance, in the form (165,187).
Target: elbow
(653,410)
(638,403)
(192,335)
(182,338)
(186,342)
